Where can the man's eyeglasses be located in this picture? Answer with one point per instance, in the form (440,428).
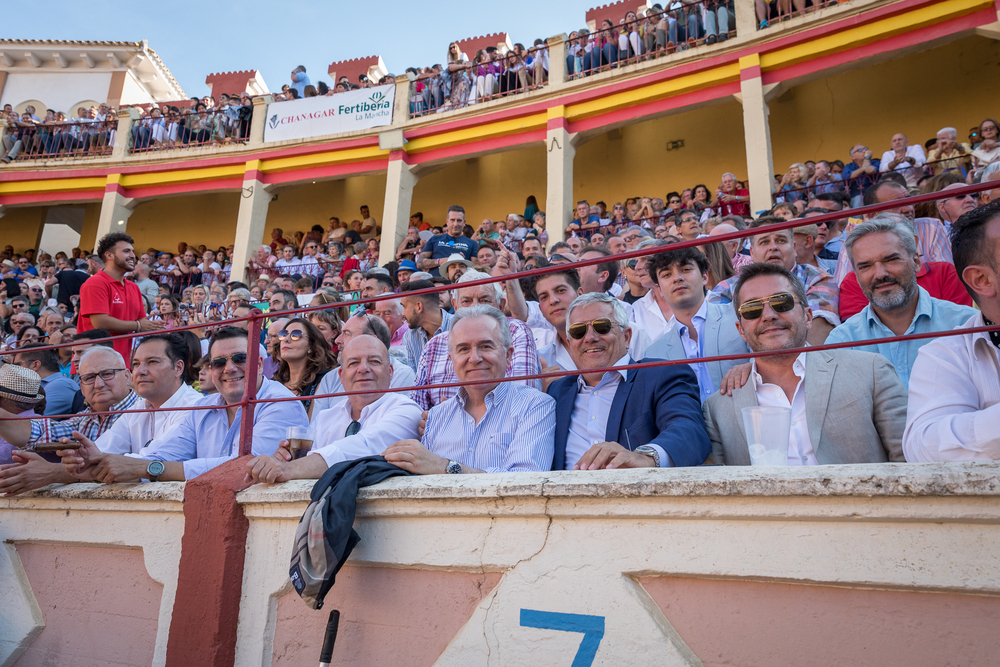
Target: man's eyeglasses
(219,363)
(106,376)
(601,326)
(290,335)
(754,308)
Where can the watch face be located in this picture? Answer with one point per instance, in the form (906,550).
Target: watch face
(155,468)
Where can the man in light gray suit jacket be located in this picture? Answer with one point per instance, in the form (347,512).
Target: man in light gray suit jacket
(698,328)
(847,406)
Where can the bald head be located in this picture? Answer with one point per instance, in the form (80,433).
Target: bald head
(365,367)
(733,245)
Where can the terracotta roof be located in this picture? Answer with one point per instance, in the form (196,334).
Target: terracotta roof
(470,45)
(230,82)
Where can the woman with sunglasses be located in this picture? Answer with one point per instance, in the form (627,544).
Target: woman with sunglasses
(303,358)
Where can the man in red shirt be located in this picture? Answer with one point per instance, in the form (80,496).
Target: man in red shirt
(108,301)
(732,200)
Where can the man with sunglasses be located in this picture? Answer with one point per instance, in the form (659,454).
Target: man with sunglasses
(105,383)
(204,439)
(623,418)
(778,248)
(698,328)
(362,424)
(952,208)
(847,406)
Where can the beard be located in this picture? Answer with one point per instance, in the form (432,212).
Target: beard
(122,264)
(895,299)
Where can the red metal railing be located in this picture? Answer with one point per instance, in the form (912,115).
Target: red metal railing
(170,129)
(55,139)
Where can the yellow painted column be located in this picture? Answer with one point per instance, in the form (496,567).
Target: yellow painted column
(254,200)
(116,207)
(757,134)
(560,147)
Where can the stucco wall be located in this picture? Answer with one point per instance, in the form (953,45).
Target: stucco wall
(196,219)
(57,90)
(22,227)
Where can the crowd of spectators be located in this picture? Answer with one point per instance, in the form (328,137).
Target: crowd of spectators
(856,278)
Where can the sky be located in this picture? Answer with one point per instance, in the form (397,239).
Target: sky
(276,36)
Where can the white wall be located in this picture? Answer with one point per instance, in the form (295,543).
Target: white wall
(133,92)
(57,90)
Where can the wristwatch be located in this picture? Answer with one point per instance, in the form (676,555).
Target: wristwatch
(154,470)
(650,451)
(454,468)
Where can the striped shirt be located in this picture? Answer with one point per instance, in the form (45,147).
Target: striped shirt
(435,365)
(91,426)
(416,338)
(932,245)
(516,434)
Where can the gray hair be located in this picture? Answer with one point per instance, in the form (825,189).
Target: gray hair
(617,307)
(471,275)
(993,169)
(482,310)
(240,293)
(106,350)
(948,130)
(395,303)
(264,247)
(642,231)
(893,223)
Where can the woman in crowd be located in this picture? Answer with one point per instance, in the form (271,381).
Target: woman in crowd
(605,47)
(486,71)
(629,39)
(461,77)
(303,358)
(720,267)
(256,294)
(28,335)
(793,183)
(324,297)
(353,281)
(64,335)
(702,198)
(371,254)
(987,151)
(539,227)
(167,312)
(329,325)
(510,80)
(530,207)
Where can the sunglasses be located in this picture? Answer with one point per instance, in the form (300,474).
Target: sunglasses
(352,428)
(290,335)
(632,263)
(602,327)
(754,308)
(219,363)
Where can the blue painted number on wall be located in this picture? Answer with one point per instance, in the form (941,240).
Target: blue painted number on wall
(592,628)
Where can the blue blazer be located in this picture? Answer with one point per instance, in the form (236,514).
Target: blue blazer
(655,405)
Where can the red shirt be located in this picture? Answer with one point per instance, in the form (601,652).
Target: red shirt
(280,243)
(103,295)
(940,279)
(740,208)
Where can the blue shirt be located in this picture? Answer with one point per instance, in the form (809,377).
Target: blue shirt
(516,434)
(696,349)
(301,81)
(858,185)
(443,246)
(205,438)
(932,315)
(59,394)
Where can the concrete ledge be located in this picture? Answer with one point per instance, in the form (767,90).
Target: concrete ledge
(163,491)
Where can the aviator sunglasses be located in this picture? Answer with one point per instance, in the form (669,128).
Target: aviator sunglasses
(579,330)
(219,363)
(754,308)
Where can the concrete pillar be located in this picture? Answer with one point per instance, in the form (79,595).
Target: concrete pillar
(557,61)
(746,18)
(116,207)
(401,106)
(757,134)
(254,199)
(259,119)
(399,182)
(123,135)
(560,146)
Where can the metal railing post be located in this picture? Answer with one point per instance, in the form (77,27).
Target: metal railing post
(250,390)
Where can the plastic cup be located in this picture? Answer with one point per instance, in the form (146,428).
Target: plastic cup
(300,440)
(767,432)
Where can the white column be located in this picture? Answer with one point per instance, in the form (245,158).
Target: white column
(757,134)
(116,207)
(557,61)
(254,199)
(746,18)
(123,134)
(399,182)
(258,120)
(560,147)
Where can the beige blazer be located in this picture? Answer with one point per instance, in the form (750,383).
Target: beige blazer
(855,411)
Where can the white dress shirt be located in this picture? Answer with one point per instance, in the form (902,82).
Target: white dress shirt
(911,173)
(647,321)
(695,349)
(206,438)
(953,413)
(393,417)
(133,431)
(402,376)
(556,354)
(800,447)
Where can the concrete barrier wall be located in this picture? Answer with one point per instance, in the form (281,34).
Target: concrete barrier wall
(887,564)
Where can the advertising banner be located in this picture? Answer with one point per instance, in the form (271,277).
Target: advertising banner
(319,116)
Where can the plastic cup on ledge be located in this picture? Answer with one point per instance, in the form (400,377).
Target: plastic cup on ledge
(767,430)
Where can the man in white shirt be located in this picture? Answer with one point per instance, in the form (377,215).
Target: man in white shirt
(204,439)
(159,372)
(288,264)
(360,324)
(360,425)
(904,158)
(847,406)
(954,409)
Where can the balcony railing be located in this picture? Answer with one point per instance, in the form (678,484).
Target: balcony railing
(54,139)
(187,128)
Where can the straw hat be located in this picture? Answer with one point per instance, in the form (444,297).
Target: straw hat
(20,384)
(455,258)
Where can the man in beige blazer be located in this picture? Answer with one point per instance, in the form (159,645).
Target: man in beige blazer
(847,406)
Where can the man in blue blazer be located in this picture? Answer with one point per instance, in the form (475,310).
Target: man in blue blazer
(698,328)
(628,418)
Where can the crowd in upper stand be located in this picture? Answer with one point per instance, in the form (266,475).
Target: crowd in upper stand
(907,270)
